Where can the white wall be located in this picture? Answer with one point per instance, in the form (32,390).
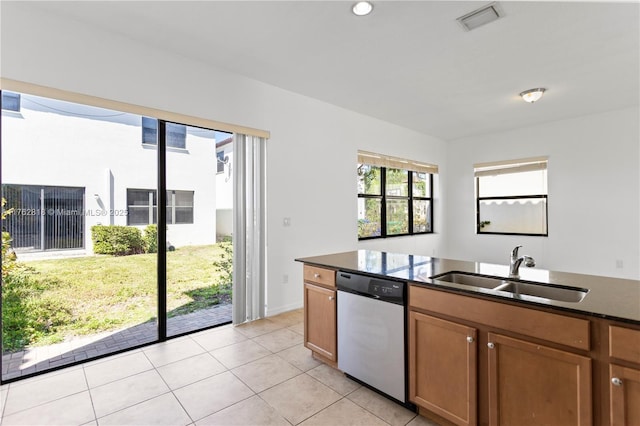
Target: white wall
(594,194)
(311,154)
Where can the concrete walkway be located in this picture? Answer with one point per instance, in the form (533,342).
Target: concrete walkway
(42,358)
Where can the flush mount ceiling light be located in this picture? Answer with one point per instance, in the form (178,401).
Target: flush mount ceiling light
(532,95)
(362,8)
(480,17)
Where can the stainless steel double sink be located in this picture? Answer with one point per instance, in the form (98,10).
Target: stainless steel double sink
(515,288)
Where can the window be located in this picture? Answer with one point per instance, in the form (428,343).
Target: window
(394,196)
(176,133)
(180,207)
(511,197)
(142,205)
(220,162)
(10,101)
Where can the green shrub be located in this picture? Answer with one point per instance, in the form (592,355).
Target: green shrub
(8,255)
(224,264)
(151,238)
(117,240)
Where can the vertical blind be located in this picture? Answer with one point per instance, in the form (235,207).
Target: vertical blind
(249,230)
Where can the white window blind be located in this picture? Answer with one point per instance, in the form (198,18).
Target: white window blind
(510,166)
(381,160)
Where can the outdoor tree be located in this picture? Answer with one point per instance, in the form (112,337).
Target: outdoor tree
(397,184)
(369,183)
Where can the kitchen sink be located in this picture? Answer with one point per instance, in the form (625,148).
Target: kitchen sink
(516,288)
(471,279)
(561,294)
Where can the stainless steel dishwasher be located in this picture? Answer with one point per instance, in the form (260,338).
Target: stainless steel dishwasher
(371,332)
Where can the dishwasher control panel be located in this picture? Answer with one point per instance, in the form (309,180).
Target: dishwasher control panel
(387,289)
(376,288)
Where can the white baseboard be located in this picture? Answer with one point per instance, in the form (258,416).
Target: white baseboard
(286,308)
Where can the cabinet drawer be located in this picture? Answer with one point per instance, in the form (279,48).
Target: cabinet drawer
(319,275)
(569,331)
(624,344)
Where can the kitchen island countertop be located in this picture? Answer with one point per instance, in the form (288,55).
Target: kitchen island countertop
(612,298)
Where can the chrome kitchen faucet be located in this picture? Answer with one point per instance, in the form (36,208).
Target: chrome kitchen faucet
(514,264)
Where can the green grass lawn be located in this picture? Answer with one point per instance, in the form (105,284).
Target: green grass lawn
(46,301)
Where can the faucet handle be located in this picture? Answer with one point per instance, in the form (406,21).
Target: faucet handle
(514,252)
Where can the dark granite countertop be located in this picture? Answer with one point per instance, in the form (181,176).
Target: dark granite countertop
(612,298)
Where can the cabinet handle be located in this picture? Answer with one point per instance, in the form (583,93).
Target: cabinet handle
(331,297)
(469,339)
(490,345)
(616,381)
(316,275)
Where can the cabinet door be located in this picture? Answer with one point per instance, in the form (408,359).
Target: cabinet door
(320,320)
(443,368)
(625,395)
(530,384)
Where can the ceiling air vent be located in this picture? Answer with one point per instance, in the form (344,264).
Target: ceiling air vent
(479,17)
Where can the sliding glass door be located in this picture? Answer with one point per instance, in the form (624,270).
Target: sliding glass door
(198,232)
(116,231)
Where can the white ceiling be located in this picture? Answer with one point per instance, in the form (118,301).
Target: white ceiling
(409,62)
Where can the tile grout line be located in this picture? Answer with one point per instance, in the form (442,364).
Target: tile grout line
(171,391)
(224,408)
(4,414)
(93,407)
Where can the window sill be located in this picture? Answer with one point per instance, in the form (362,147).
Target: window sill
(396,236)
(10,113)
(169,148)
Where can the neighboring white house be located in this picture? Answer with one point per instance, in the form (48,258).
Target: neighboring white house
(224,188)
(67,167)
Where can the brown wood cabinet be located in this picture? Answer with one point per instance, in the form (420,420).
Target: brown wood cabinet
(320,328)
(519,380)
(443,367)
(624,395)
(624,380)
(531,384)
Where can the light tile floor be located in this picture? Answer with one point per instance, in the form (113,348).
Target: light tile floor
(254,374)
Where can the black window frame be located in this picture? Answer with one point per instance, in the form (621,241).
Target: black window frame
(480,224)
(383,197)
(176,133)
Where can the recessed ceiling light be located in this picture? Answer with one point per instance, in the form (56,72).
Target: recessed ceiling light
(362,8)
(532,95)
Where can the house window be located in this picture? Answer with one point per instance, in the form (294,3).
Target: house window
(10,101)
(180,207)
(176,133)
(394,196)
(511,197)
(143,204)
(220,162)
